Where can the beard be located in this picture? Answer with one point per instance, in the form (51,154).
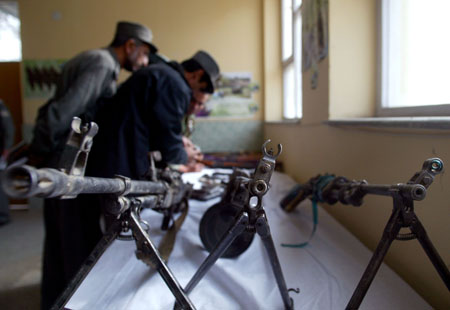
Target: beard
(128,65)
(131,64)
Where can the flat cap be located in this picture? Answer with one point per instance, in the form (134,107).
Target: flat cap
(136,31)
(210,66)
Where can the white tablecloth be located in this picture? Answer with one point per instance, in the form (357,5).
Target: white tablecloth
(326,271)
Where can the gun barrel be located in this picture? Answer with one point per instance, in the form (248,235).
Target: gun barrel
(26,181)
(353,192)
(413,191)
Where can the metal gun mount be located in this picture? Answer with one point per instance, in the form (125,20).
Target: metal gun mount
(228,228)
(403,216)
(331,189)
(166,193)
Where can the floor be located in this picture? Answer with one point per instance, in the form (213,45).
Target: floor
(21,243)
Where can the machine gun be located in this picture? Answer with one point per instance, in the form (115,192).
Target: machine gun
(332,189)
(165,192)
(227,228)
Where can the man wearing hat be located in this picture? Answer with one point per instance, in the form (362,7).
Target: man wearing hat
(71,230)
(146,115)
(85,79)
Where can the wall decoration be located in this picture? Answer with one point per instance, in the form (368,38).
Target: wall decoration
(314,36)
(233,97)
(40,77)
(229,135)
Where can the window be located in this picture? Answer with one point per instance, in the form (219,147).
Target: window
(415,58)
(291,58)
(11,46)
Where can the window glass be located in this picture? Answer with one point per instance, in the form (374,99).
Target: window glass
(415,53)
(289,91)
(286,29)
(291,59)
(298,64)
(11,46)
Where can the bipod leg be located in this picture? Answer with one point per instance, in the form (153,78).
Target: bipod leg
(263,230)
(389,234)
(226,240)
(147,251)
(106,240)
(417,228)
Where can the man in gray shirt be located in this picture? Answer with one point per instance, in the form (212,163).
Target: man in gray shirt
(71,229)
(85,79)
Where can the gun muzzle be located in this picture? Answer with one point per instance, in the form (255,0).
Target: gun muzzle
(26,181)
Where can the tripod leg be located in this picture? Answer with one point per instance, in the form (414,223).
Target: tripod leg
(263,230)
(229,236)
(147,252)
(390,232)
(417,228)
(87,266)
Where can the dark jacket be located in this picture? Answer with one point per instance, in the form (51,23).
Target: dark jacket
(6,128)
(145,115)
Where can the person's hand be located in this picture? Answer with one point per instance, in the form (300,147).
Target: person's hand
(193,152)
(191,167)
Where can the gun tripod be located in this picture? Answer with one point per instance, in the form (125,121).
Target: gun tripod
(146,251)
(403,216)
(331,189)
(250,219)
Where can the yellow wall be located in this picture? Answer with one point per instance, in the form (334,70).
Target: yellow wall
(347,83)
(352,67)
(272,60)
(230,30)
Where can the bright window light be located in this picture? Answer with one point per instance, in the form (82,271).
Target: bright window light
(291,58)
(415,54)
(10,43)
(286,29)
